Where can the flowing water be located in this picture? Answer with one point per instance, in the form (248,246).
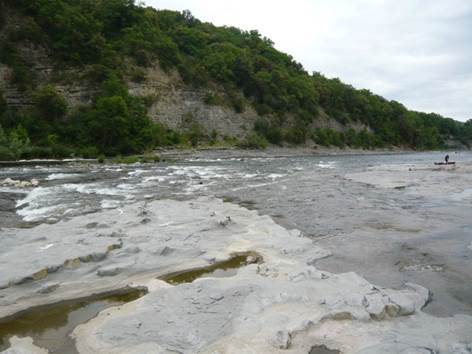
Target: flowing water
(392,218)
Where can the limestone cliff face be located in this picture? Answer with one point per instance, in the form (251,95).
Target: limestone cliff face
(178,105)
(173,103)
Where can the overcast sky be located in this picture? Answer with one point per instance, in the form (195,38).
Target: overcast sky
(418,52)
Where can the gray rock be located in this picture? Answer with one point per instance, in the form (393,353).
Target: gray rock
(114,269)
(48,288)
(281,340)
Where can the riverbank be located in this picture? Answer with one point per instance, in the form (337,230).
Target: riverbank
(222,152)
(272,151)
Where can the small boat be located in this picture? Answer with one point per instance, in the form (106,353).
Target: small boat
(445,163)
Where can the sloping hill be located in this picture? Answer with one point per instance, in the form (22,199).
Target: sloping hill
(110,76)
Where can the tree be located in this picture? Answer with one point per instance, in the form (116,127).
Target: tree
(3,104)
(49,103)
(3,137)
(111,124)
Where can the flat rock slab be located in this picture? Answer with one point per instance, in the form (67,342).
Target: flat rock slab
(283,305)
(103,251)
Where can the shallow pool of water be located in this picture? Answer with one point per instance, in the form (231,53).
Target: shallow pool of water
(321,349)
(222,269)
(50,326)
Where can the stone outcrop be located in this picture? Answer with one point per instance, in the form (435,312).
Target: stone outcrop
(178,106)
(283,305)
(172,102)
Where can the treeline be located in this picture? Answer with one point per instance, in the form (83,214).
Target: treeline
(113,40)
(115,124)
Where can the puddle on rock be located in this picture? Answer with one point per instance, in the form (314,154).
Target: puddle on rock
(222,269)
(322,349)
(50,325)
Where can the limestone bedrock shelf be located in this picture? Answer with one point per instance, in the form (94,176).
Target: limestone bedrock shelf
(50,326)
(284,305)
(222,269)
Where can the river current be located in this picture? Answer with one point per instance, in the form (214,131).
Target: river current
(392,218)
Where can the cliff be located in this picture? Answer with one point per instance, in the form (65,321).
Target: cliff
(101,63)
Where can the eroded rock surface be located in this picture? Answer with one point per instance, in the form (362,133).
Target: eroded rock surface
(283,305)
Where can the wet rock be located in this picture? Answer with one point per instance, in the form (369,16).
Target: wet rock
(96,225)
(23,346)
(113,270)
(48,288)
(322,349)
(8,182)
(72,263)
(131,250)
(94,257)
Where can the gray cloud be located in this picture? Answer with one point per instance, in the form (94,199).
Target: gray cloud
(414,51)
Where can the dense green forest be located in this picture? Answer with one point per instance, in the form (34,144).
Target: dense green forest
(102,38)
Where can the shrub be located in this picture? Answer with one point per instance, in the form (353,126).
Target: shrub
(138,75)
(3,104)
(254,142)
(237,103)
(196,134)
(213,99)
(270,130)
(6,154)
(213,137)
(37,152)
(89,152)
(329,137)
(295,135)
(50,105)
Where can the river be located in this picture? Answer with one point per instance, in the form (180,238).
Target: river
(393,218)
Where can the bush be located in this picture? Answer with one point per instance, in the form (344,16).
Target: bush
(50,105)
(162,136)
(89,152)
(37,152)
(330,137)
(295,135)
(148,158)
(213,137)
(196,134)
(138,75)
(3,104)
(213,99)
(237,103)
(270,130)
(254,142)
(6,154)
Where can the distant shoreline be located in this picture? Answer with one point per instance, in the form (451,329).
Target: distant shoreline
(274,152)
(232,152)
